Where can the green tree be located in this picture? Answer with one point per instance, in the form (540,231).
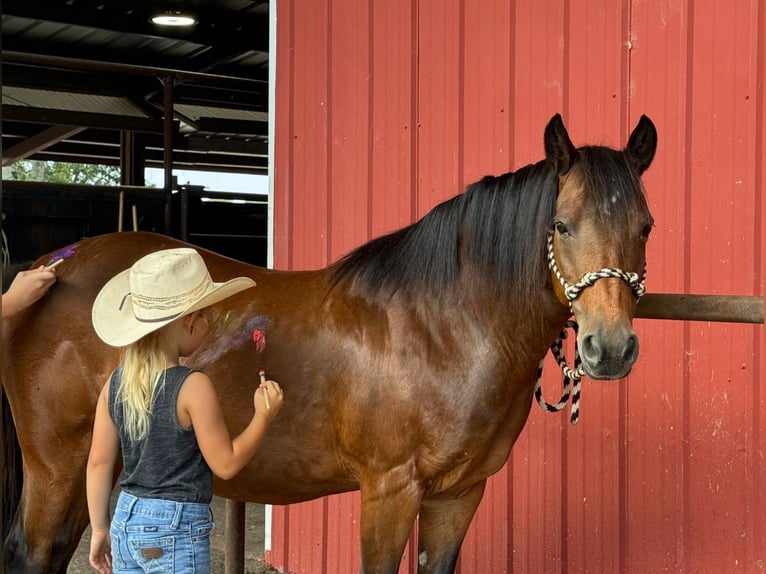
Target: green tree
(61,172)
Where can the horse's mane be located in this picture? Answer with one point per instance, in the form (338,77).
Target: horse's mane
(498,224)
(497,227)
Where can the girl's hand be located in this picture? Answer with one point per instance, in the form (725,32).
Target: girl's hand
(226,457)
(268,398)
(100,556)
(26,288)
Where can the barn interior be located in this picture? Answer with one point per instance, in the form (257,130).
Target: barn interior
(94,82)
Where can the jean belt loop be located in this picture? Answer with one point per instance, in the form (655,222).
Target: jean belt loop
(177,516)
(131,503)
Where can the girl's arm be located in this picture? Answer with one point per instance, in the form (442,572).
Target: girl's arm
(198,404)
(26,288)
(104,450)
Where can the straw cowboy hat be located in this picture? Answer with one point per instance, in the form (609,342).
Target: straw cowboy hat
(156,290)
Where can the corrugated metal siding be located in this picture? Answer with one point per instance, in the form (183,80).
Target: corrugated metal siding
(386,108)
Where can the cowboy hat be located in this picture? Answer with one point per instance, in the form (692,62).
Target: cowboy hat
(158,289)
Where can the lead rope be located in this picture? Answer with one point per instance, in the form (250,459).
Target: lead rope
(572,292)
(569,376)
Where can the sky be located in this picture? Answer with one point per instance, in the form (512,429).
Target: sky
(213,181)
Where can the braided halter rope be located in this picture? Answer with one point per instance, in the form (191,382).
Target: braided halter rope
(569,376)
(572,292)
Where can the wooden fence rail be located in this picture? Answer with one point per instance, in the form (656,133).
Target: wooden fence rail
(717,308)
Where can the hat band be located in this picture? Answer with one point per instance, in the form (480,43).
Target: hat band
(174,305)
(139,319)
(159,320)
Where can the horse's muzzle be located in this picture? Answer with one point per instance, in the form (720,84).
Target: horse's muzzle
(608,358)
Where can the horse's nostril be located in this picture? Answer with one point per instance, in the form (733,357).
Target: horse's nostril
(590,349)
(630,353)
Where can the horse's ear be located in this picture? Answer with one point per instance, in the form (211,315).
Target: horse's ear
(642,144)
(559,150)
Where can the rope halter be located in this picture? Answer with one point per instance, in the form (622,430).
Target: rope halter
(572,292)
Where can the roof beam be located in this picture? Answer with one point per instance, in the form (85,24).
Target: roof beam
(14,133)
(234,127)
(98,66)
(83,119)
(38,142)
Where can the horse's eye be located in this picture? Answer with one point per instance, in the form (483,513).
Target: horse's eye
(646,231)
(561,227)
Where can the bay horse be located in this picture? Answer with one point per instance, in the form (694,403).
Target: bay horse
(408,366)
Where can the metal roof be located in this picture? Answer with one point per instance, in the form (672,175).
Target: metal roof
(77,74)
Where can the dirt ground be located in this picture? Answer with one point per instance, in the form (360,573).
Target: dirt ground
(254,541)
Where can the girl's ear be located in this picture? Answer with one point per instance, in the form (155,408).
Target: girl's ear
(189,319)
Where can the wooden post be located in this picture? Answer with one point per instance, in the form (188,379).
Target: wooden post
(235,537)
(119,212)
(167,164)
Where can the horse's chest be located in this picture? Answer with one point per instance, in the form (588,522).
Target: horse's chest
(481,444)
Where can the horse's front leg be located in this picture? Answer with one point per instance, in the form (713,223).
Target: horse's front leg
(443,522)
(389,506)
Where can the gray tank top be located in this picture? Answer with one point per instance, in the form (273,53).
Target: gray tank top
(167,463)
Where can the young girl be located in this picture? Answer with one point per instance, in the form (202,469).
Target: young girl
(165,418)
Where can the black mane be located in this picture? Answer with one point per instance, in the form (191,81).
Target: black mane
(498,227)
(498,223)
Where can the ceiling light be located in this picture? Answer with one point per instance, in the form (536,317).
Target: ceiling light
(174,18)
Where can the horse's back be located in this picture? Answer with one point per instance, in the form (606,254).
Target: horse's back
(59,324)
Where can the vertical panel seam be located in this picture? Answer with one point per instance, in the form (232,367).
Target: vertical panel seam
(511,157)
(328,143)
(564,450)
(415,110)
(460,144)
(290,200)
(759,536)
(286,537)
(565,62)
(326,535)
(623,541)
(511,86)
(370,113)
(683,547)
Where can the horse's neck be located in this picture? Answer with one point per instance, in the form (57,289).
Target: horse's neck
(526,331)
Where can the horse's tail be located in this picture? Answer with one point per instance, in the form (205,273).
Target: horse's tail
(13,476)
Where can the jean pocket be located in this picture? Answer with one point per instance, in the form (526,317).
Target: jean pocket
(200,547)
(118,561)
(202,531)
(153,554)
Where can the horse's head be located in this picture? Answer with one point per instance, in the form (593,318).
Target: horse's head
(596,246)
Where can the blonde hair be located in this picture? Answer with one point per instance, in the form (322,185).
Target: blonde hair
(143,363)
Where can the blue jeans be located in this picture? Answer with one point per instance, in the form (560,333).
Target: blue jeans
(160,536)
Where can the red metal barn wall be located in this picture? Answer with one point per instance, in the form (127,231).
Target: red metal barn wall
(384,109)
